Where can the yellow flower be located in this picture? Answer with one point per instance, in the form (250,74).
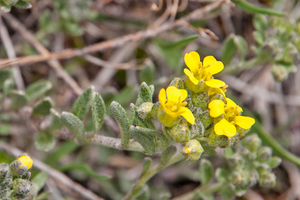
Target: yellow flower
(174,106)
(230,119)
(26,161)
(203,71)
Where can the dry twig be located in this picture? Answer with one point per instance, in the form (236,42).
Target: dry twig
(120,41)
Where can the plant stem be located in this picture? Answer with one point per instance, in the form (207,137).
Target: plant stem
(149,174)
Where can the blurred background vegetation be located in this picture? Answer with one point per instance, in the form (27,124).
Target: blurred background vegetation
(257,40)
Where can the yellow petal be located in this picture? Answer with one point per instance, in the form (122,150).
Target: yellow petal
(192,60)
(25,161)
(223,127)
(215,68)
(212,91)
(174,93)
(187,114)
(162,97)
(191,76)
(215,83)
(208,60)
(216,108)
(232,104)
(244,122)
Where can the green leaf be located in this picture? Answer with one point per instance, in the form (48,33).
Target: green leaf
(83,102)
(7,86)
(4,75)
(260,23)
(118,112)
(165,196)
(166,156)
(229,49)
(39,180)
(10,2)
(56,123)
(274,161)
(43,107)
(146,165)
(242,45)
(182,42)
(74,124)
(163,140)
(63,150)
(145,194)
(222,175)
(18,99)
(259,38)
(83,167)
(144,95)
(145,140)
(250,8)
(43,196)
(4,7)
(44,142)
(98,111)
(5,129)
(227,192)
(147,74)
(208,149)
(228,152)
(206,170)
(23,4)
(37,89)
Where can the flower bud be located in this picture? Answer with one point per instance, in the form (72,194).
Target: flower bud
(177,82)
(263,169)
(4,171)
(203,116)
(166,119)
(22,186)
(6,183)
(20,166)
(192,150)
(217,140)
(5,193)
(264,153)
(252,142)
(253,178)
(235,160)
(181,132)
(201,87)
(154,110)
(279,72)
(144,110)
(200,100)
(267,180)
(242,131)
(239,178)
(197,129)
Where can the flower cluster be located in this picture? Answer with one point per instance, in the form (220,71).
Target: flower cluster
(14,183)
(203,116)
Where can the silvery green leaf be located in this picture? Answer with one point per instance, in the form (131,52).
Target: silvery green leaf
(83,102)
(166,156)
(260,23)
(4,73)
(74,124)
(274,161)
(227,192)
(146,165)
(145,193)
(206,170)
(144,95)
(43,107)
(39,180)
(147,141)
(242,45)
(118,112)
(23,4)
(43,196)
(18,99)
(37,89)
(98,111)
(165,196)
(6,9)
(229,49)
(10,2)
(228,152)
(7,86)
(56,121)
(44,141)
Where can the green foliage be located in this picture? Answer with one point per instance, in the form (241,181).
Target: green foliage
(44,141)
(146,140)
(43,107)
(147,74)
(206,171)
(39,181)
(98,111)
(118,112)
(82,104)
(5,5)
(74,124)
(37,90)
